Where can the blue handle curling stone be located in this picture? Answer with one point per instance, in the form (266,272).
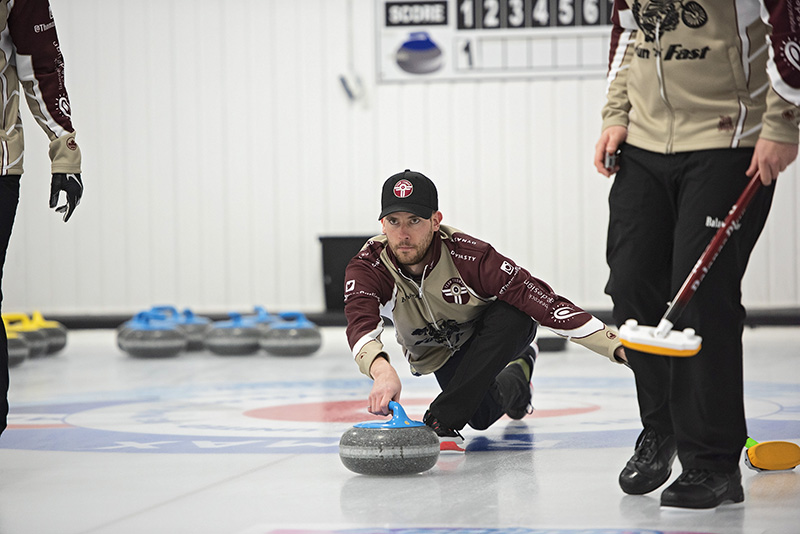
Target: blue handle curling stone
(292,334)
(399,446)
(151,335)
(235,337)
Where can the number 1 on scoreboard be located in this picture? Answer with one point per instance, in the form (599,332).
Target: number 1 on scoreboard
(466,14)
(465,55)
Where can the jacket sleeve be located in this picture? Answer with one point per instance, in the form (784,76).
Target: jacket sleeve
(40,68)
(499,276)
(783,66)
(623,32)
(364,295)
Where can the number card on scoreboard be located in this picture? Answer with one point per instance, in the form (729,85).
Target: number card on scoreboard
(430,40)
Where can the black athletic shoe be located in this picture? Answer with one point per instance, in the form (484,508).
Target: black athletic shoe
(651,463)
(441,430)
(517,396)
(702,489)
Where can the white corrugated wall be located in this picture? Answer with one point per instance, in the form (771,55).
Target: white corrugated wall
(219,145)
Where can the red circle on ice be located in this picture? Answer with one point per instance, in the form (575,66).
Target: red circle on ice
(355,411)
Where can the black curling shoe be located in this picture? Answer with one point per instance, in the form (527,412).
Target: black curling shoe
(701,489)
(441,430)
(651,463)
(517,396)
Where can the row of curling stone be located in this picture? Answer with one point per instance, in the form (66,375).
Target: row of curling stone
(287,334)
(32,337)
(162,332)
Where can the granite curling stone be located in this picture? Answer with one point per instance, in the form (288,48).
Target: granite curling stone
(262,319)
(292,335)
(151,335)
(395,447)
(18,350)
(235,337)
(56,332)
(193,326)
(419,54)
(24,327)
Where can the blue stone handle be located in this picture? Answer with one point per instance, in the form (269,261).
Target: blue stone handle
(399,419)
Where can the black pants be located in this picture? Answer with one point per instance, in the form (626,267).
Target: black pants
(663,213)
(9,198)
(471,388)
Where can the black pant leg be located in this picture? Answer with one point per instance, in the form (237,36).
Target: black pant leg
(707,389)
(468,379)
(642,217)
(9,198)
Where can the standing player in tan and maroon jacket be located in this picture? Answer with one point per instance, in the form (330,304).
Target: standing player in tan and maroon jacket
(30,55)
(460,310)
(701,96)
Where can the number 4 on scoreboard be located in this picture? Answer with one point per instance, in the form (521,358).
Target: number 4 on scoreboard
(541,13)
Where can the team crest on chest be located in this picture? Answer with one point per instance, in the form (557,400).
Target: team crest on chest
(455,292)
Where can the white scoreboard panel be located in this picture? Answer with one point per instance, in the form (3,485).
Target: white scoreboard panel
(476,39)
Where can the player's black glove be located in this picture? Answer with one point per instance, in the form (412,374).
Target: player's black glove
(72,185)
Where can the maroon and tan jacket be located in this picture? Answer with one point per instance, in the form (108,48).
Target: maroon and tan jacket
(705,74)
(30,55)
(435,315)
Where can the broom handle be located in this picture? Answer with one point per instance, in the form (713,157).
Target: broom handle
(711,252)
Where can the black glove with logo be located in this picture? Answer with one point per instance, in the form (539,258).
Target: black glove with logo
(72,185)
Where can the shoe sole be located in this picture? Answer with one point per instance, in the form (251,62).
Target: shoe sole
(727,502)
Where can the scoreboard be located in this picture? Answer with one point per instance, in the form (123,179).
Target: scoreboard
(477,39)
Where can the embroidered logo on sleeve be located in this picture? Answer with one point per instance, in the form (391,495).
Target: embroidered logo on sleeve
(349,286)
(507,268)
(565,312)
(791,51)
(455,292)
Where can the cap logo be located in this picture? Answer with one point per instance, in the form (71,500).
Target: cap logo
(403,188)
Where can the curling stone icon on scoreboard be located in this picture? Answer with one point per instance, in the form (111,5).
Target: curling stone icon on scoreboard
(419,54)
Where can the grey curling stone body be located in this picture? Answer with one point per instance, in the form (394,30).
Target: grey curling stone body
(398,447)
(36,340)
(18,350)
(235,337)
(150,335)
(292,335)
(193,326)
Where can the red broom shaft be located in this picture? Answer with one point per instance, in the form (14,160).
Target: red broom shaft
(711,252)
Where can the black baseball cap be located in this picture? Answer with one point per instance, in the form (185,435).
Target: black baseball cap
(409,191)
